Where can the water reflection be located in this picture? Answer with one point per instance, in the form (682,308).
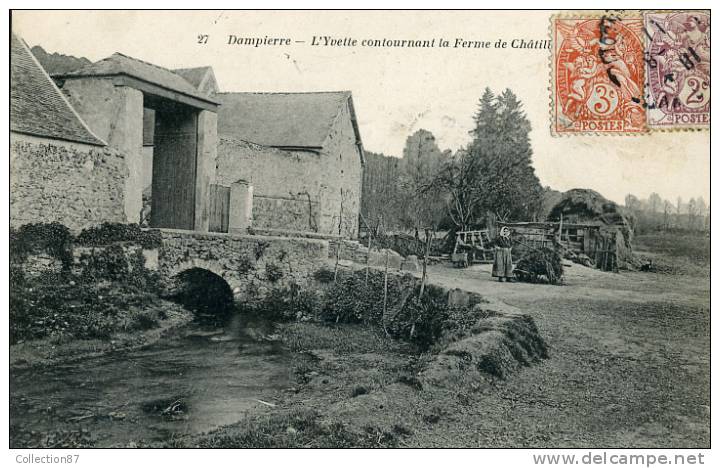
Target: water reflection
(209,374)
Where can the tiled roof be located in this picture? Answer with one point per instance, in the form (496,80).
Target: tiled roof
(291,120)
(120,64)
(194,76)
(37,106)
(202,78)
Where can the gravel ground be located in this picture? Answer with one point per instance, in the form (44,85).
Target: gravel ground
(629,364)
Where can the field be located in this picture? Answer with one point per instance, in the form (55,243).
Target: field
(628,366)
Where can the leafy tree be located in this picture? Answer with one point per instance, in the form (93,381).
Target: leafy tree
(654,202)
(424,202)
(501,147)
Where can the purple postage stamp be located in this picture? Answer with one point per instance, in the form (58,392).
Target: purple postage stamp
(677,61)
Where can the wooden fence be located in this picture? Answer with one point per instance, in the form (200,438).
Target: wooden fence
(219,208)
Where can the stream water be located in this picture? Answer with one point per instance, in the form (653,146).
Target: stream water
(204,376)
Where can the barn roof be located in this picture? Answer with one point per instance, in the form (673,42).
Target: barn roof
(202,78)
(283,120)
(194,76)
(121,64)
(37,106)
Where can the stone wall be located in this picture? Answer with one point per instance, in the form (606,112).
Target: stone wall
(343,196)
(355,252)
(288,185)
(115,114)
(74,184)
(294,214)
(251,265)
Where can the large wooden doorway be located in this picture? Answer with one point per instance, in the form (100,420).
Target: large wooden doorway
(174,166)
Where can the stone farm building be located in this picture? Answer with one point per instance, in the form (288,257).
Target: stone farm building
(301,153)
(60,170)
(127,141)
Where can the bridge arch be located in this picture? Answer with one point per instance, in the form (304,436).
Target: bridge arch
(212,266)
(203,291)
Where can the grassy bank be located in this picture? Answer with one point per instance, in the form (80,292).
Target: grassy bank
(64,304)
(356,386)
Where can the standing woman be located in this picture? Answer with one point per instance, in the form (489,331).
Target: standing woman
(502,267)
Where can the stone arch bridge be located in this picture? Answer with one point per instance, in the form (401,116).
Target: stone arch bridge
(250,264)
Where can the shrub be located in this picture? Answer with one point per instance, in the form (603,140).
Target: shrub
(351,300)
(108,233)
(286,303)
(79,310)
(421,321)
(51,238)
(139,275)
(142,320)
(109,263)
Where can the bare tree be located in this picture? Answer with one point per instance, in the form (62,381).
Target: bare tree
(692,213)
(458,177)
(632,202)
(667,206)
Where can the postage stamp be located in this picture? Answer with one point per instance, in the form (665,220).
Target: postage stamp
(598,75)
(678,69)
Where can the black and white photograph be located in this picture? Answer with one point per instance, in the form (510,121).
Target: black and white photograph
(242,229)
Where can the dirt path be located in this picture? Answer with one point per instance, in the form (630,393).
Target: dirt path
(629,364)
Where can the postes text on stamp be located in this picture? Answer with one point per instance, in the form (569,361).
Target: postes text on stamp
(598,73)
(678,69)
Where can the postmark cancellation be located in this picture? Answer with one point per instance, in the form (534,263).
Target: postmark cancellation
(630,73)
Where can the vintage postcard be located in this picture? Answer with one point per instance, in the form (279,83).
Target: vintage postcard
(376,229)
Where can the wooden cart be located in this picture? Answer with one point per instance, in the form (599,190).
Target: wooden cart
(478,243)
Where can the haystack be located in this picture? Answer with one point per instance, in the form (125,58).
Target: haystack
(590,207)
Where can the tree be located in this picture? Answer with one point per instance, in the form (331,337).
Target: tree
(503,158)
(692,212)
(654,202)
(381,197)
(631,202)
(458,177)
(667,206)
(422,201)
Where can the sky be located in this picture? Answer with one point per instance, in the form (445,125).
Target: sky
(396,91)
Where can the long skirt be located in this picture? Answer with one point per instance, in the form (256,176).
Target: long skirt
(502,267)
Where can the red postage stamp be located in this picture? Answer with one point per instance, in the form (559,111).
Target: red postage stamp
(598,75)
(678,69)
